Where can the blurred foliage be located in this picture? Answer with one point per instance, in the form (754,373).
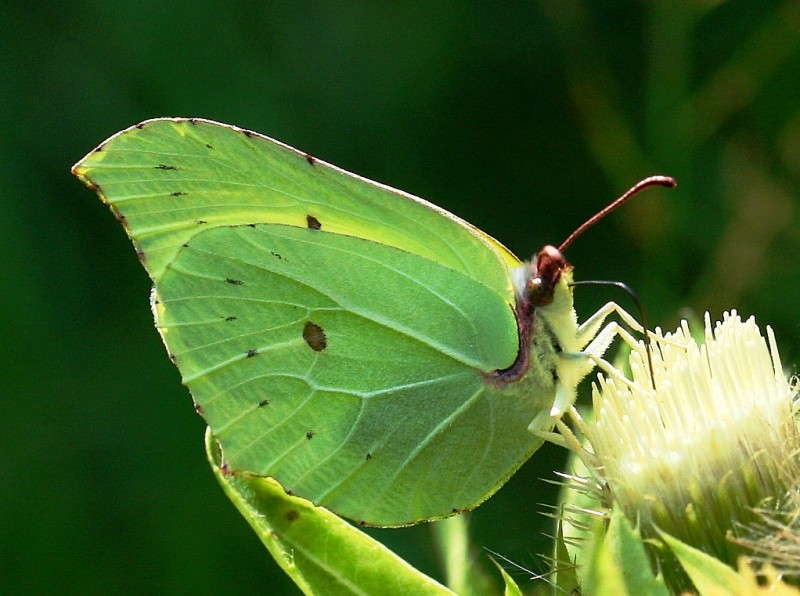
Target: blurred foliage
(523,118)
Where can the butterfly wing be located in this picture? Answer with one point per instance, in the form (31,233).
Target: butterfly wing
(348,359)
(166,179)
(348,370)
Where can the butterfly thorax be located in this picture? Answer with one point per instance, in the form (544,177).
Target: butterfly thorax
(545,317)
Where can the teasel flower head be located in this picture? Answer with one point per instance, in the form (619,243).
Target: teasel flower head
(704,447)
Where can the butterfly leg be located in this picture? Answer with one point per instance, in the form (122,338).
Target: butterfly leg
(590,329)
(591,342)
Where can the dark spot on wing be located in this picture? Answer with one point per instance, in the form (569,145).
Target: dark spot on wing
(252,352)
(251,225)
(198,408)
(310,435)
(140,126)
(185,245)
(94,186)
(208,146)
(276,255)
(369,456)
(231,318)
(140,255)
(248,133)
(315,337)
(263,402)
(313,223)
(163,166)
(173,357)
(291,515)
(234,282)
(177,193)
(310,158)
(201,221)
(120,217)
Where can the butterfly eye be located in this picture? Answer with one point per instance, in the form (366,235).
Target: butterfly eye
(538,292)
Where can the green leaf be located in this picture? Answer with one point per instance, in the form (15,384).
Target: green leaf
(620,565)
(321,552)
(566,572)
(709,575)
(511,587)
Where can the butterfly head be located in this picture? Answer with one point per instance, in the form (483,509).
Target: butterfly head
(545,272)
(536,282)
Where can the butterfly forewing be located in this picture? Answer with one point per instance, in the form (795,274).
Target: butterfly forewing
(168,178)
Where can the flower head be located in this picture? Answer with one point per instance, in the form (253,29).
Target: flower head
(698,447)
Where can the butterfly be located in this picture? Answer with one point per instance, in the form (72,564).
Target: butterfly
(369,350)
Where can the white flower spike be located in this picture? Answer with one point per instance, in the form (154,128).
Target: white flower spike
(714,441)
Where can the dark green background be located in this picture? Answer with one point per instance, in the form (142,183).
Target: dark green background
(524,119)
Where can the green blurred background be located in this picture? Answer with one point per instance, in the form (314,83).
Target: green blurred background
(524,119)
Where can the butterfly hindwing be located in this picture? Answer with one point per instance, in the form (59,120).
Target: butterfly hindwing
(352,372)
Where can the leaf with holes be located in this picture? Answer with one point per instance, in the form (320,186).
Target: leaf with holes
(372,352)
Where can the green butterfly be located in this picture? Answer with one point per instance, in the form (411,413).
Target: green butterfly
(372,352)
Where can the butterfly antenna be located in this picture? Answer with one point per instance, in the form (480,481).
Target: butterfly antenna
(667,181)
(642,316)
(635,189)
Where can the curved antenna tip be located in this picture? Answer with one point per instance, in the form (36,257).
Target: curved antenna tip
(666,181)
